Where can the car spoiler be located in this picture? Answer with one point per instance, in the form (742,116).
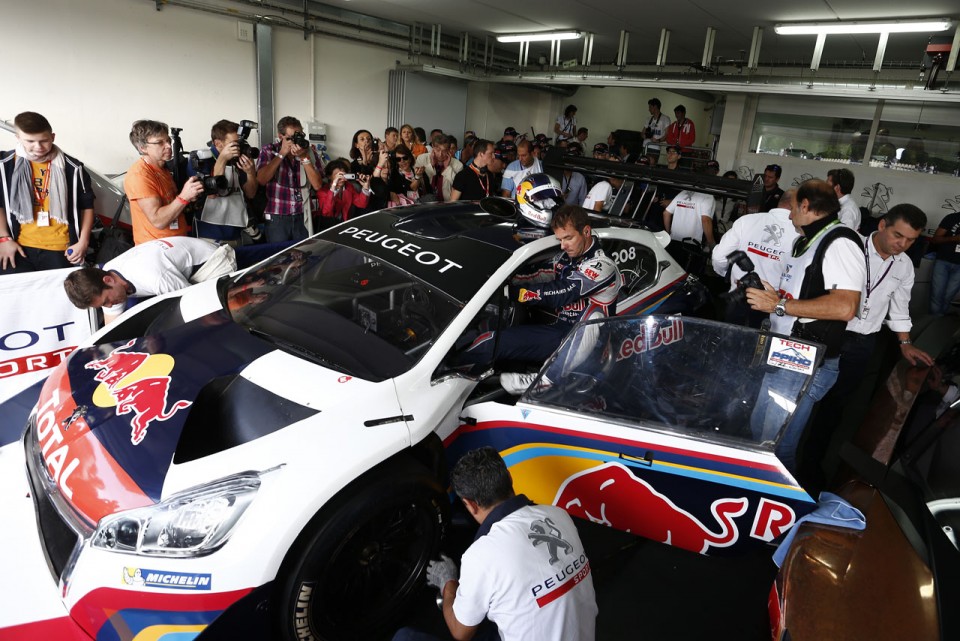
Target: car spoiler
(750,191)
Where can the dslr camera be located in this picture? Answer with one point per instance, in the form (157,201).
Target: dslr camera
(243,131)
(749,279)
(300,139)
(212,185)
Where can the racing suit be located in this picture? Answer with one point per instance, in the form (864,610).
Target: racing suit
(581,288)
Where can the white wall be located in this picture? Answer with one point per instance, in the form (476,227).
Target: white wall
(491,108)
(116,61)
(605,109)
(106,63)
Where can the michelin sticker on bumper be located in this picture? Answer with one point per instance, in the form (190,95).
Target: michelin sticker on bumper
(142,577)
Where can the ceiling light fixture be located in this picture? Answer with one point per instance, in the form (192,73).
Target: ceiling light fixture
(817,28)
(540,37)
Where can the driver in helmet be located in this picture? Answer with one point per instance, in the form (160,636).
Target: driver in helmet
(580,283)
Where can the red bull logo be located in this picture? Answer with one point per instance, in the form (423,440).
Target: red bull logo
(528,295)
(650,338)
(610,494)
(136,383)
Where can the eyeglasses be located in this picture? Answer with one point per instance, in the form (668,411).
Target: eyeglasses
(165,141)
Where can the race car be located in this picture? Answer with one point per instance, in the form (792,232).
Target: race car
(266,451)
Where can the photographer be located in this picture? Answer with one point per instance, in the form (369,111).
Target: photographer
(338,198)
(223,217)
(156,209)
(290,170)
(767,238)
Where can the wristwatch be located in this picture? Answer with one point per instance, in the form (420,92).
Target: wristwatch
(906,342)
(780,309)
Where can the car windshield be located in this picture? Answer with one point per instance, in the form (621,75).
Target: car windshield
(698,377)
(341,308)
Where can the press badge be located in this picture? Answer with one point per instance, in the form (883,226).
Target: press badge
(43,219)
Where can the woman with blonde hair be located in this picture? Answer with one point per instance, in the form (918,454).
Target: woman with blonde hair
(409,137)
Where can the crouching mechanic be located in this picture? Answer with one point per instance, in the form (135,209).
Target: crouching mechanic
(149,269)
(526,570)
(580,283)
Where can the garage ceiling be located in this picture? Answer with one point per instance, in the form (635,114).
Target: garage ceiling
(687,20)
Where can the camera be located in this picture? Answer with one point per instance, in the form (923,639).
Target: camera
(243,131)
(749,279)
(349,176)
(375,146)
(300,139)
(212,185)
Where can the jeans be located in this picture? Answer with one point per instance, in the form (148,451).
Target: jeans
(944,287)
(37,260)
(823,380)
(279,229)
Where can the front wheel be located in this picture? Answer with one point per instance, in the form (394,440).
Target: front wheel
(360,560)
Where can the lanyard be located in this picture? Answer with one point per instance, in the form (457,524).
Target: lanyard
(485,185)
(42,191)
(813,240)
(871,288)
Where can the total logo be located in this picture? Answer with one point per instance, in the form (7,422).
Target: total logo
(136,383)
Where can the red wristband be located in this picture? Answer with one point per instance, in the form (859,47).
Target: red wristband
(183,200)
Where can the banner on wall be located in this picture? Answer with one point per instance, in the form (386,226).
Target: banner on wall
(39,327)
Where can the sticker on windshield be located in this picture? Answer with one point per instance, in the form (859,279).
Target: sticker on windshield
(791,355)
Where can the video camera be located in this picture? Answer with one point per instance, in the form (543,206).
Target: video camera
(749,279)
(243,131)
(212,185)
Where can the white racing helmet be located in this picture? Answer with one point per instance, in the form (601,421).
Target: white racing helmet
(538,196)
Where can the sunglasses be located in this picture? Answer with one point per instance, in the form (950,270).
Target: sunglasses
(403,158)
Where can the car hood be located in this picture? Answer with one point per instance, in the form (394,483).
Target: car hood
(112,418)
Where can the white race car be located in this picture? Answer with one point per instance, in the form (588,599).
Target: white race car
(266,451)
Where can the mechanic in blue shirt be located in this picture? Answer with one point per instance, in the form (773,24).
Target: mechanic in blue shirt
(581,282)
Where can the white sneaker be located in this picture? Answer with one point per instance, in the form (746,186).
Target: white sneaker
(517,383)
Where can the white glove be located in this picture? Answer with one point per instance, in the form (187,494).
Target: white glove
(439,572)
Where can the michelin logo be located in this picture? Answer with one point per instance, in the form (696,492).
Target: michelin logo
(141,577)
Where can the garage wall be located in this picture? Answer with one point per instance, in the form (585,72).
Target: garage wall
(120,60)
(605,109)
(158,65)
(491,108)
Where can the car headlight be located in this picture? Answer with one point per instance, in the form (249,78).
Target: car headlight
(192,523)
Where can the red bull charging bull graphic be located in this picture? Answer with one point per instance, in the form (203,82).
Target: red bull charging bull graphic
(611,495)
(136,383)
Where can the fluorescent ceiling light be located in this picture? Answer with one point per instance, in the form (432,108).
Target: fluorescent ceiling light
(816,28)
(540,37)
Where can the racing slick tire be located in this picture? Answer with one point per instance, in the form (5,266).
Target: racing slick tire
(359,562)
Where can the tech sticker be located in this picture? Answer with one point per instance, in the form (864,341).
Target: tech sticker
(791,355)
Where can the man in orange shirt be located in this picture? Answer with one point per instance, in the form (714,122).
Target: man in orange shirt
(156,208)
(46,202)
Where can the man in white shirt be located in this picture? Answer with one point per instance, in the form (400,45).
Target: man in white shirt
(516,171)
(884,300)
(656,128)
(526,570)
(600,197)
(818,293)
(766,237)
(690,216)
(842,182)
(149,269)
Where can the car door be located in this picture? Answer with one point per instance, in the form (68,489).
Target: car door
(662,426)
